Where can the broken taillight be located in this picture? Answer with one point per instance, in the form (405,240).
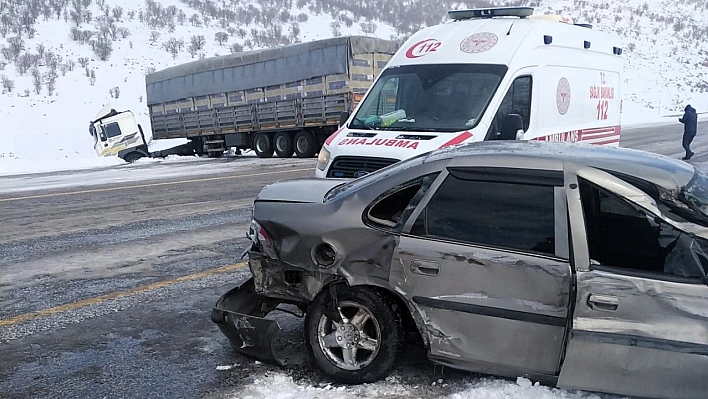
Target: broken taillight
(262,239)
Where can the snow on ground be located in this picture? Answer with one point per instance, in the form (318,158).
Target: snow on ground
(280,386)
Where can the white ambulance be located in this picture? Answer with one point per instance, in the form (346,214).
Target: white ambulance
(489,74)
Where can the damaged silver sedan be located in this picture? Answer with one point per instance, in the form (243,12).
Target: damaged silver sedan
(579,266)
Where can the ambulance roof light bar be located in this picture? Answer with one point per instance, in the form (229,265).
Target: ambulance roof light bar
(521,12)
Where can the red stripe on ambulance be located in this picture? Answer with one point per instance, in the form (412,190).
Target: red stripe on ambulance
(332,136)
(458,139)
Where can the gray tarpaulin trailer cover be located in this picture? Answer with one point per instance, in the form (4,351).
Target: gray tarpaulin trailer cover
(260,68)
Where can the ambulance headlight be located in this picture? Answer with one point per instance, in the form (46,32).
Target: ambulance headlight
(323,159)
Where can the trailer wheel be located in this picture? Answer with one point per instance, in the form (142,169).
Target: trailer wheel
(305,144)
(284,145)
(263,146)
(363,345)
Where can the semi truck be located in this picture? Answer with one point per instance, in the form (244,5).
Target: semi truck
(283,101)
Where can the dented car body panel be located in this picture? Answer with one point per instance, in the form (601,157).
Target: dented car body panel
(579,266)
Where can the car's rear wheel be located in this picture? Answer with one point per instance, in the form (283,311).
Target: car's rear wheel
(364,345)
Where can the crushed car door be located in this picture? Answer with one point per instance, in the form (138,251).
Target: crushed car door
(483,261)
(640,325)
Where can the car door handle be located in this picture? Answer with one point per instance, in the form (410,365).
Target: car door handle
(607,303)
(425,267)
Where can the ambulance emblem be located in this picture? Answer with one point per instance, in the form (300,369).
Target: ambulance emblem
(563,96)
(479,42)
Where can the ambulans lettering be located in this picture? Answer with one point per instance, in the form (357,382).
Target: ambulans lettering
(422,48)
(572,136)
(407,144)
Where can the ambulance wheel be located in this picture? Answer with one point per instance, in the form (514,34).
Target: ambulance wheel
(305,144)
(284,145)
(263,146)
(359,346)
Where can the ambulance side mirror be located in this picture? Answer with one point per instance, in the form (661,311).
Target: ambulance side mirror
(343,118)
(511,126)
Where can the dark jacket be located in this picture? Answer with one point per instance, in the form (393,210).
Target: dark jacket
(689,120)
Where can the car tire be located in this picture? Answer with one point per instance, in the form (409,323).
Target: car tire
(284,145)
(306,145)
(263,146)
(371,324)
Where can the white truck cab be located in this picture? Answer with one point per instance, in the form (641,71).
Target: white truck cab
(489,74)
(116,133)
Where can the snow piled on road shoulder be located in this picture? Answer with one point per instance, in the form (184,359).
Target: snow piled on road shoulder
(280,386)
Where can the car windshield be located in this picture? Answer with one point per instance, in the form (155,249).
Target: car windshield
(440,98)
(364,181)
(695,194)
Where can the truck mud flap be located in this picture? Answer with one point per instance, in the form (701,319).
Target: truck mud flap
(240,315)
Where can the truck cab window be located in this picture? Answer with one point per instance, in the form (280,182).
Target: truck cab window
(112,130)
(623,235)
(516,101)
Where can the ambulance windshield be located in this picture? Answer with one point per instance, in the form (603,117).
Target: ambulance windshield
(440,98)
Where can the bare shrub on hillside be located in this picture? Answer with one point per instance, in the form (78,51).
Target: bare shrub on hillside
(83,61)
(51,86)
(70,65)
(196,44)
(114,92)
(16,46)
(7,53)
(24,63)
(118,13)
(40,49)
(92,77)
(368,27)
(334,27)
(7,84)
(102,47)
(195,20)
(236,48)
(173,46)
(36,80)
(123,32)
(63,68)
(154,36)
(221,37)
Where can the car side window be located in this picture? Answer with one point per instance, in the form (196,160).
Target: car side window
(623,235)
(510,215)
(112,130)
(516,101)
(395,205)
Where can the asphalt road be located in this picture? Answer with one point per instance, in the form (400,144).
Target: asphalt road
(105,289)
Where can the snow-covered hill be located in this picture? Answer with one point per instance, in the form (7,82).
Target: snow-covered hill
(53,80)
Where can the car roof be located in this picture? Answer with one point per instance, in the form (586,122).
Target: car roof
(658,169)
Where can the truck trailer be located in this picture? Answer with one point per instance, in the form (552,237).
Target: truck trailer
(284,100)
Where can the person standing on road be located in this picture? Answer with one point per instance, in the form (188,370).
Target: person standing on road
(690,122)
